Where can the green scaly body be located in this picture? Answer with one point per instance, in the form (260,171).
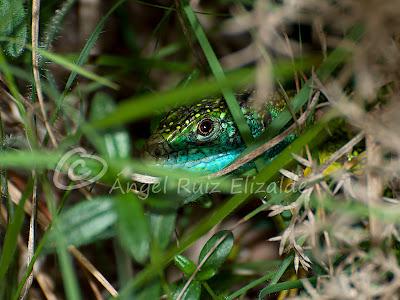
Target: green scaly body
(203,137)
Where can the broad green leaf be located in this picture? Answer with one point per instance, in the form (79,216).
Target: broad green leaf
(12,14)
(102,105)
(162,226)
(206,274)
(87,221)
(115,142)
(6,23)
(218,254)
(192,292)
(184,264)
(15,48)
(13,26)
(133,227)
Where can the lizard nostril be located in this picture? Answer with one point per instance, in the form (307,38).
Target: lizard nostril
(156,146)
(157,152)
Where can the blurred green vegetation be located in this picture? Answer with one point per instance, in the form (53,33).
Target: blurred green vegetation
(102,93)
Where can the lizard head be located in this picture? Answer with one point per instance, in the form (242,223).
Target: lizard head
(202,136)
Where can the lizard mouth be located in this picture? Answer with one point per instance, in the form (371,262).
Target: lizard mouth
(199,159)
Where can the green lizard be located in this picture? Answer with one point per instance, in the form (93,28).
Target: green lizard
(203,137)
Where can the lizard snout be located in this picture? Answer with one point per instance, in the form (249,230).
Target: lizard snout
(157,146)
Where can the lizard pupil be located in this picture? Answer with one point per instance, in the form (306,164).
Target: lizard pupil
(205,127)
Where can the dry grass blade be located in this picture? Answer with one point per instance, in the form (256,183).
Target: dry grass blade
(342,151)
(374,186)
(31,241)
(44,221)
(318,174)
(35,63)
(45,284)
(93,270)
(271,143)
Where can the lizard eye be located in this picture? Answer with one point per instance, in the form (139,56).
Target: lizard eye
(205,127)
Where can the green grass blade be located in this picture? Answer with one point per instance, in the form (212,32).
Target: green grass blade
(133,227)
(11,237)
(278,274)
(219,74)
(54,26)
(250,285)
(70,281)
(287,285)
(135,64)
(40,160)
(29,159)
(58,59)
(83,56)
(147,105)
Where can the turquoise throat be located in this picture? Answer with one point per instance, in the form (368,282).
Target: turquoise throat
(203,137)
